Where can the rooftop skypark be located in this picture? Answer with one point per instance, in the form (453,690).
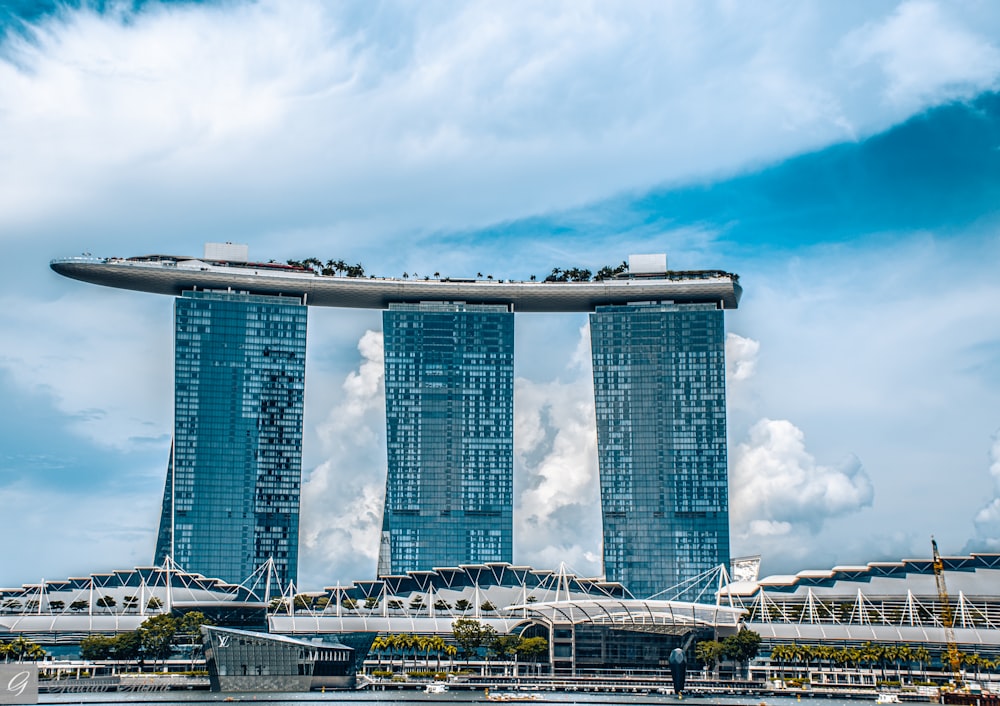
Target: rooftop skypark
(227,267)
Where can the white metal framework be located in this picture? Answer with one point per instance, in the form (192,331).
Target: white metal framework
(889,602)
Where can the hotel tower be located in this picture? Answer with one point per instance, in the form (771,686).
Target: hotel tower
(231,499)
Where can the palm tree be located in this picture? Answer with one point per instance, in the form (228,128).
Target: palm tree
(922,656)
(395,644)
(780,654)
(422,643)
(451,651)
(379,645)
(409,642)
(436,644)
(24,650)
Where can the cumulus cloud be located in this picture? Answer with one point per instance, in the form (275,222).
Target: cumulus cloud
(557,504)
(778,488)
(342,497)
(212,114)
(924,51)
(987,520)
(557,515)
(741,357)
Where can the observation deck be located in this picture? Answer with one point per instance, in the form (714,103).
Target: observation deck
(166,274)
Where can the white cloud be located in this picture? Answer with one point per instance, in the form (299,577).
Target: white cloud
(778,488)
(926,52)
(741,357)
(342,497)
(302,126)
(987,520)
(557,511)
(292,117)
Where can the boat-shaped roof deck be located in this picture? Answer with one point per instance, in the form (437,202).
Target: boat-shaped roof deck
(166,274)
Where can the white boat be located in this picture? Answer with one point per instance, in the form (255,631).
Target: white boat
(887,698)
(512,696)
(436,688)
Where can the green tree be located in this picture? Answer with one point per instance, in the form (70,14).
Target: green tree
(127,646)
(505,646)
(709,652)
(451,651)
(79,606)
(531,648)
(189,631)
(191,622)
(741,647)
(106,602)
(154,603)
(462,605)
(157,635)
(95,647)
(56,606)
(22,650)
(471,635)
(380,645)
(436,644)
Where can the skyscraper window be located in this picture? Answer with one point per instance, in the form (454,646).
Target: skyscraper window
(231,500)
(449,396)
(660,399)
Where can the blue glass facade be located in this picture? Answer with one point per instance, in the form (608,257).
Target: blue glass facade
(660,398)
(449,407)
(231,500)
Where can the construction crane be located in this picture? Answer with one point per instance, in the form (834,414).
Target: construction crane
(947,618)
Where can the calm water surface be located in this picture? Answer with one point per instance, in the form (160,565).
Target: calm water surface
(361,698)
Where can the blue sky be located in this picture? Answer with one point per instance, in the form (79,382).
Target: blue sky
(844,160)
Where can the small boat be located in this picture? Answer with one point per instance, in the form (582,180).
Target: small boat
(506,696)
(887,698)
(436,688)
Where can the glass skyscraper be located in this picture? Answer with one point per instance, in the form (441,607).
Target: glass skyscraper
(449,407)
(660,398)
(231,500)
